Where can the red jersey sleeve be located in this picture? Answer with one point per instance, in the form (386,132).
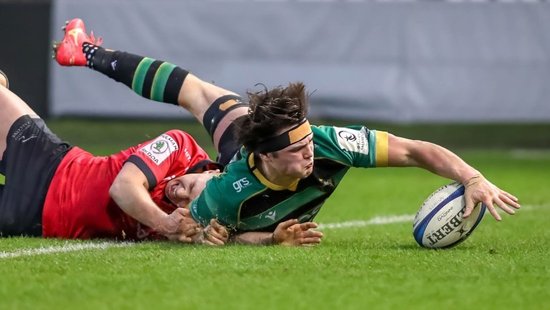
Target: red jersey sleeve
(172,153)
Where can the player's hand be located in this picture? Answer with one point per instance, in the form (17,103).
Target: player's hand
(213,234)
(179,226)
(478,189)
(293,233)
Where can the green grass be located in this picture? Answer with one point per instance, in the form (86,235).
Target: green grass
(504,265)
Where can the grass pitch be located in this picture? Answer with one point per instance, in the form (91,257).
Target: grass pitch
(503,265)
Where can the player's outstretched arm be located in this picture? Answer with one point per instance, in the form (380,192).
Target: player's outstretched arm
(437,159)
(288,233)
(129,191)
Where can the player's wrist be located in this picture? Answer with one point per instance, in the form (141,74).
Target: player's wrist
(473,180)
(165,224)
(271,240)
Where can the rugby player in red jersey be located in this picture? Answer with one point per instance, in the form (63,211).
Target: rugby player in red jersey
(53,189)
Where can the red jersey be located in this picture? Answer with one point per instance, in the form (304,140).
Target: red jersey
(78,204)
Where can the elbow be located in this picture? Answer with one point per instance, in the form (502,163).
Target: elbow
(115,191)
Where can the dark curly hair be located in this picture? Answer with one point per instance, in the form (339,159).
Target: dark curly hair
(270,112)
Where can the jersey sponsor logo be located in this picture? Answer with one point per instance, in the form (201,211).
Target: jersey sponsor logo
(24,139)
(271,215)
(240,184)
(18,133)
(346,135)
(160,148)
(352,140)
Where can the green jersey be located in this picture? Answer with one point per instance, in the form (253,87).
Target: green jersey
(242,199)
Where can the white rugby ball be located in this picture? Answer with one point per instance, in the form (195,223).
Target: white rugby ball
(439,222)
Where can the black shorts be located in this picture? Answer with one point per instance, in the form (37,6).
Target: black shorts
(30,160)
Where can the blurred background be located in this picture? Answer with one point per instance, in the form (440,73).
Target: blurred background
(426,67)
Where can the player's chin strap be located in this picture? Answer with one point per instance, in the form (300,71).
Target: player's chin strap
(291,136)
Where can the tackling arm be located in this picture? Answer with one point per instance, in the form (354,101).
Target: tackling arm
(129,191)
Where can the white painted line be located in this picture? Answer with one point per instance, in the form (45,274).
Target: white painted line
(393,219)
(64,249)
(530,154)
(378,220)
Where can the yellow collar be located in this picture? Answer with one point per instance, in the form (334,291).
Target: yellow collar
(265,181)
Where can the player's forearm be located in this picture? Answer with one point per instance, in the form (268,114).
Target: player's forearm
(135,201)
(442,162)
(253,238)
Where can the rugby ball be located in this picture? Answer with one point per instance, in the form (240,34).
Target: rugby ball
(439,222)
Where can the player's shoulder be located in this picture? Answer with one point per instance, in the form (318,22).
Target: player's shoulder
(178,136)
(325,129)
(328,133)
(176,133)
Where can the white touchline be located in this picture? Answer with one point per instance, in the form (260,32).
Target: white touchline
(377,220)
(63,249)
(393,219)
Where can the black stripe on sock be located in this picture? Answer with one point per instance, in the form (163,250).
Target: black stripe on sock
(174,84)
(149,76)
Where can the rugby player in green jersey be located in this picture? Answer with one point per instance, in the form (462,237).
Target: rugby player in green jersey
(286,168)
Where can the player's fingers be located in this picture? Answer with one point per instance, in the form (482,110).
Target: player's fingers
(512,197)
(310,234)
(287,224)
(504,207)
(185,212)
(184,239)
(214,235)
(214,241)
(190,231)
(308,225)
(310,241)
(314,233)
(510,200)
(194,227)
(469,206)
(219,228)
(492,210)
